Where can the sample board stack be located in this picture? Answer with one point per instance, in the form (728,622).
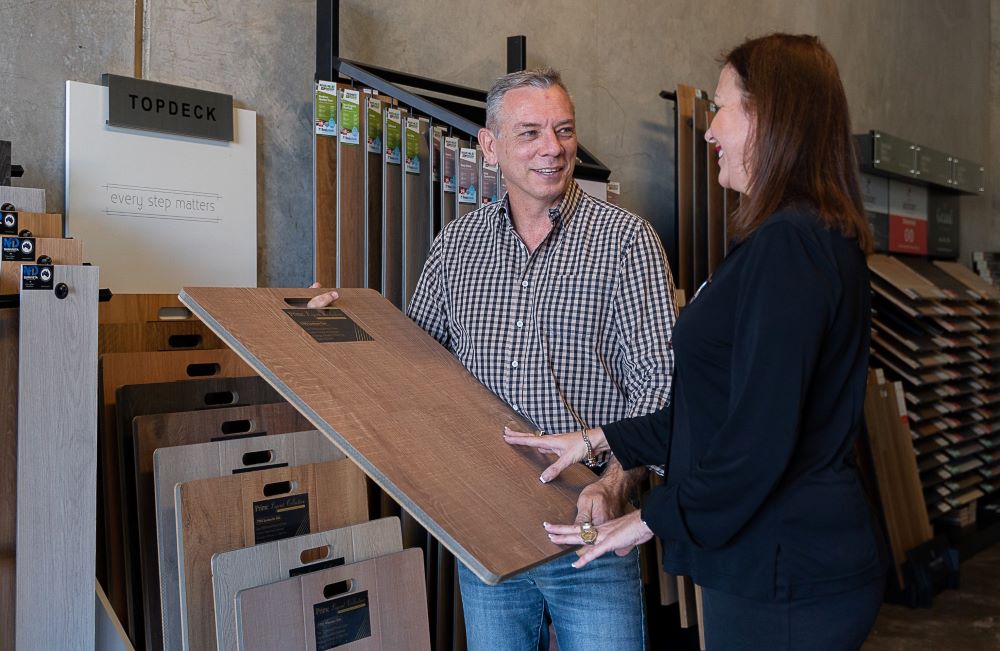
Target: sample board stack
(987,265)
(936,329)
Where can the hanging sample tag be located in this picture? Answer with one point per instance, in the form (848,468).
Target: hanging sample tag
(412,146)
(329,325)
(491,183)
(341,621)
(393,135)
(467,174)
(35,276)
(350,117)
(280,517)
(326,108)
(502,190)
(450,180)
(8,222)
(436,155)
(18,249)
(374,126)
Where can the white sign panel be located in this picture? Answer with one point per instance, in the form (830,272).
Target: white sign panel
(158,212)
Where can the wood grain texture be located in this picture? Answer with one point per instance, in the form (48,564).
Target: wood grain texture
(155,431)
(325,217)
(117,370)
(969,278)
(142,308)
(417,211)
(57,464)
(373,208)
(685,188)
(216,515)
(280,615)
(62,252)
(250,567)
(716,203)
(351,193)
(173,465)
(9,325)
(904,279)
(392,229)
(416,421)
(699,174)
(155,336)
(41,224)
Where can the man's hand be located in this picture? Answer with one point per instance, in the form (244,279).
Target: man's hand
(322,300)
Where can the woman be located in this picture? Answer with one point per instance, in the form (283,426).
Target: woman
(763,505)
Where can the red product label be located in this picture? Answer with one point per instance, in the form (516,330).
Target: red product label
(907,235)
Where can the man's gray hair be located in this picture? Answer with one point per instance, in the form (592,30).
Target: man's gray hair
(540,78)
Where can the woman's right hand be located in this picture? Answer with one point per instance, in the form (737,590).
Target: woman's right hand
(569,446)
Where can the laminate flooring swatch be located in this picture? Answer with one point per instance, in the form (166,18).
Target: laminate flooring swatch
(417,203)
(373,605)
(374,152)
(392,207)
(62,251)
(41,224)
(325,208)
(702,182)
(224,513)
(904,279)
(9,326)
(403,408)
(352,217)
(143,308)
(716,201)
(271,562)
(155,336)
(685,188)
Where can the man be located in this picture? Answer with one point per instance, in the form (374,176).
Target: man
(562,305)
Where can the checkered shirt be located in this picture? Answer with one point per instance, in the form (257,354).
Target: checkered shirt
(585,320)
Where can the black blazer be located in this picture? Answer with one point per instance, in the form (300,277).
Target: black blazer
(762,497)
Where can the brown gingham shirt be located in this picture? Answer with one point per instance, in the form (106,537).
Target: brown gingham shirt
(589,312)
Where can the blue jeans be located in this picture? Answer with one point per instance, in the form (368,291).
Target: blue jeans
(596,608)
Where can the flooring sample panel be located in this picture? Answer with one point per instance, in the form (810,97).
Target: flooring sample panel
(57,464)
(685,189)
(374,152)
(392,208)
(169,466)
(716,202)
(66,252)
(468,178)
(449,179)
(155,431)
(117,370)
(325,210)
(41,224)
(225,513)
(969,278)
(142,308)
(904,279)
(156,336)
(351,191)
(9,320)
(700,245)
(250,567)
(411,416)
(23,198)
(109,634)
(373,605)
(417,203)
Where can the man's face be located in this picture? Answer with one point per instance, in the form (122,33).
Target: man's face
(535,145)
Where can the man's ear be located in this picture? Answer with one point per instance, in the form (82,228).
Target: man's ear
(488,142)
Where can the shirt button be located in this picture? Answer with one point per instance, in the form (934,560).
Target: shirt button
(520,323)
(514,363)
(514,407)
(524,283)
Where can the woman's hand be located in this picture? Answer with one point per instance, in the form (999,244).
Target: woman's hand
(322,300)
(619,535)
(570,447)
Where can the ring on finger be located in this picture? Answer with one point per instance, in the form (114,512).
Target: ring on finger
(588,533)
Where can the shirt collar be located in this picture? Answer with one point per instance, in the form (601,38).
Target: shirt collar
(559,214)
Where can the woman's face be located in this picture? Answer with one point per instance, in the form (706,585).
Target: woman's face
(730,132)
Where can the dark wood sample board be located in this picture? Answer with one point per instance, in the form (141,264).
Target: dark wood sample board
(352,145)
(392,206)
(418,206)
(403,408)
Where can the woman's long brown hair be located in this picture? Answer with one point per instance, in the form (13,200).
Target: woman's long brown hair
(800,149)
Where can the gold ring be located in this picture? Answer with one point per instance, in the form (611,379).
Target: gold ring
(588,533)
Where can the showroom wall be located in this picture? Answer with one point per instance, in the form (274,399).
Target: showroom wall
(928,70)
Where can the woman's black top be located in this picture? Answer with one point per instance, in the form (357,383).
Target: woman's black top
(762,496)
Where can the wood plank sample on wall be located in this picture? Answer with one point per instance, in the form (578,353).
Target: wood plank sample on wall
(168,430)
(392,208)
(417,203)
(395,400)
(66,252)
(225,513)
(449,180)
(351,191)
(685,188)
(271,562)
(57,464)
(325,208)
(117,370)
(374,152)
(310,612)
(9,320)
(468,178)
(41,224)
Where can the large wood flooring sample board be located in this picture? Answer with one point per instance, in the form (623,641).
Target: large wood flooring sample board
(155,431)
(906,280)
(392,208)
(9,318)
(374,152)
(373,605)
(225,513)
(417,203)
(271,562)
(57,464)
(685,188)
(700,245)
(121,369)
(41,224)
(155,337)
(66,252)
(969,278)
(179,464)
(402,407)
(351,191)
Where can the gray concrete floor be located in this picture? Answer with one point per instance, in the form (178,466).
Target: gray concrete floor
(967,619)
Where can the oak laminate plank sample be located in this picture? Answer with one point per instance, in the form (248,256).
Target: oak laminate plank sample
(325,215)
(154,431)
(374,152)
(57,464)
(392,208)
(155,336)
(417,204)
(9,324)
(352,216)
(969,278)
(142,308)
(314,611)
(41,224)
(271,562)
(62,251)
(685,188)
(403,408)
(224,513)
(904,279)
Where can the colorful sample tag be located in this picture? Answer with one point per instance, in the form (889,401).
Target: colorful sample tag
(467,173)
(393,136)
(412,146)
(450,180)
(491,183)
(350,117)
(326,108)
(374,126)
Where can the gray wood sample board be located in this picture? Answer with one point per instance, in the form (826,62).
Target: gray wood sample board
(403,408)
(154,431)
(271,562)
(9,323)
(57,464)
(373,605)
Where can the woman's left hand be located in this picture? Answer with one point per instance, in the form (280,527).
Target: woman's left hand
(619,535)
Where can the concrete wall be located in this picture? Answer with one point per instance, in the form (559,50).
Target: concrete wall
(917,69)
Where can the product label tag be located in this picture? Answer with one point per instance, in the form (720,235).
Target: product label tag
(280,517)
(36,276)
(326,108)
(374,126)
(328,325)
(393,135)
(18,249)
(350,117)
(467,173)
(412,146)
(341,621)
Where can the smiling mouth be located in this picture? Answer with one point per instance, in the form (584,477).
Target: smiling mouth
(718,151)
(548,171)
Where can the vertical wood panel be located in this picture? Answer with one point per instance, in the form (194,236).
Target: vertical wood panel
(392,227)
(700,236)
(9,319)
(325,217)
(351,195)
(685,188)
(417,214)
